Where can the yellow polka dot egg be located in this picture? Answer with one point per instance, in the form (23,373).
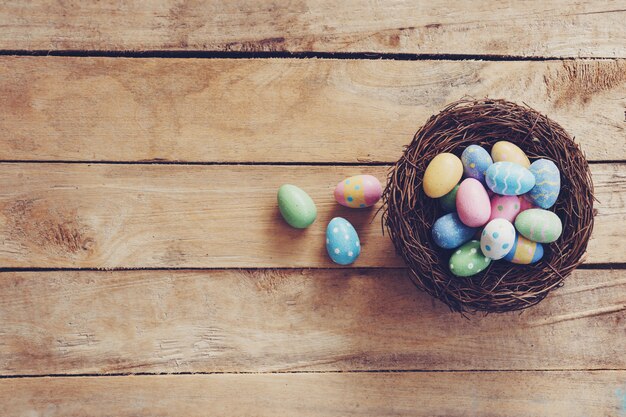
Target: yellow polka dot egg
(358,191)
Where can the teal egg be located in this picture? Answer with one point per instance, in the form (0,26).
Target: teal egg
(539,225)
(547,183)
(475,161)
(468,260)
(342,241)
(507,178)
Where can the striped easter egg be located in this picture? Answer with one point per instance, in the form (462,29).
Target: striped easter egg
(507,178)
(524,251)
(539,225)
(547,183)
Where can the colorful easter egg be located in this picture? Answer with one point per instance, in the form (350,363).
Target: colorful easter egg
(296,206)
(505,207)
(475,161)
(468,260)
(507,178)
(524,204)
(524,251)
(547,183)
(358,191)
(448,201)
(504,151)
(449,232)
(472,203)
(497,238)
(442,174)
(342,241)
(539,225)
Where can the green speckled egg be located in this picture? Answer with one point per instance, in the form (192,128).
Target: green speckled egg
(296,206)
(468,260)
(539,225)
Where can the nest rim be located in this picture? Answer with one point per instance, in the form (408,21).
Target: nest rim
(408,214)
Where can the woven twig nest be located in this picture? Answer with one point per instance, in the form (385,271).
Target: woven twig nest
(408,214)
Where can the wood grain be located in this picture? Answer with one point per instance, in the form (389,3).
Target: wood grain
(287,110)
(163,216)
(499,394)
(538,28)
(76,322)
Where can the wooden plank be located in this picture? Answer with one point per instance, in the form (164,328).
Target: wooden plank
(536,28)
(517,394)
(138,216)
(287,110)
(77,322)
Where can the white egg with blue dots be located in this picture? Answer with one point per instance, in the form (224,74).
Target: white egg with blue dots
(497,238)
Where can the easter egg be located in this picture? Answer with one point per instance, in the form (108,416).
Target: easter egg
(342,241)
(547,183)
(539,225)
(448,201)
(524,204)
(468,260)
(472,203)
(505,207)
(296,207)
(475,161)
(507,178)
(442,174)
(449,232)
(524,251)
(497,238)
(358,191)
(504,151)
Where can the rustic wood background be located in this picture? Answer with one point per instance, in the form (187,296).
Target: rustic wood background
(146,270)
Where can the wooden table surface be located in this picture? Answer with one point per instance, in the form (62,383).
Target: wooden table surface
(146,270)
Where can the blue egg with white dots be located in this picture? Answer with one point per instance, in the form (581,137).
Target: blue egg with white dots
(497,238)
(475,161)
(449,231)
(342,241)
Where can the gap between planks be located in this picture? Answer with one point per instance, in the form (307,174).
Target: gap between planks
(368,56)
(356,371)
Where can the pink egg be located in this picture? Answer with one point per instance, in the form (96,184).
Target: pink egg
(472,203)
(505,207)
(525,204)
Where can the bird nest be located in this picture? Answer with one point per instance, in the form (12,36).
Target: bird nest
(408,214)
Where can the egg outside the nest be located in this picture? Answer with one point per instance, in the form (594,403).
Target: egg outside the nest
(296,206)
(342,241)
(358,191)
